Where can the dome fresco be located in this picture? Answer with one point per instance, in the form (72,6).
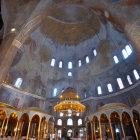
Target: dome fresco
(85,49)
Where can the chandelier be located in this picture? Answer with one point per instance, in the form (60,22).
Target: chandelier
(69,103)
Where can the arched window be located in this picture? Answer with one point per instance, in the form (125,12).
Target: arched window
(79,121)
(129,80)
(69,122)
(79,63)
(94,52)
(18,82)
(87,59)
(116,60)
(59,122)
(60,64)
(124,53)
(69,74)
(109,86)
(54,92)
(53,62)
(59,133)
(136,74)
(99,90)
(120,83)
(69,133)
(85,94)
(128,49)
(70,65)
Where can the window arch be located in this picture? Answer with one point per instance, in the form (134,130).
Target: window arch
(60,64)
(69,65)
(128,49)
(129,80)
(69,122)
(136,74)
(54,92)
(99,90)
(116,60)
(124,53)
(79,121)
(18,82)
(109,86)
(94,52)
(79,63)
(87,59)
(53,62)
(120,83)
(59,122)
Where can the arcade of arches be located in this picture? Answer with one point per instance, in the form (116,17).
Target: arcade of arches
(70,69)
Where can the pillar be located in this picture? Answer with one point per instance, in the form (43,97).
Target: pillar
(94,132)
(39,128)
(86,131)
(122,129)
(100,129)
(8,57)
(28,129)
(2,127)
(111,129)
(134,129)
(16,129)
(6,126)
(91,129)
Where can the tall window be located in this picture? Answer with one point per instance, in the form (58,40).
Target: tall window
(87,59)
(120,83)
(69,122)
(54,92)
(109,86)
(52,62)
(136,74)
(128,49)
(94,52)
(69,133)
(59,133)
(99,90)
(70,65)
(85,94)
(129,80)
(60,64)
(124,53)
(79,63)
(18,82)
(59,122)
(116,60)
(79,121)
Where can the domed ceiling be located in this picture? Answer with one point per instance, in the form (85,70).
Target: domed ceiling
(70,33)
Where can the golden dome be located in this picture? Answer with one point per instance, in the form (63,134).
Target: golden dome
(69,94)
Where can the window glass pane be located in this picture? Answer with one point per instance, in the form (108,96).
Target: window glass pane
(69,74)
(120,83)
(116,59)
(128,49)
(60,64)
(69,65)
(59,122)
(85,94)
(136,74)
(79,63)
(99,90)
(18,82)
(124,53)
(54,92)
(95,52)
(87,59)
(129,80)
(69,122)
(53,62)
(109,86)
(79,121)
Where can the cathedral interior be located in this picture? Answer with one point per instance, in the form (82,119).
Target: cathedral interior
(61,73)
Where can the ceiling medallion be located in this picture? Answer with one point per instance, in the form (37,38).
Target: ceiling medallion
(69,103)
